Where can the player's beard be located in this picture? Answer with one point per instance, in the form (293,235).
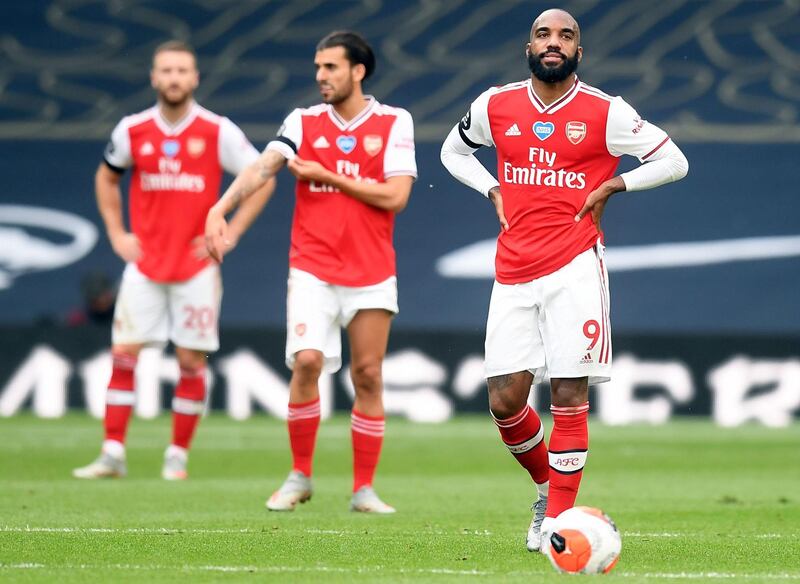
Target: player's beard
(552,74)
(339,96)
(182,98)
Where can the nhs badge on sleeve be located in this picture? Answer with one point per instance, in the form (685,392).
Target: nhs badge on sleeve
(346,143)
(170,148)
(543,130)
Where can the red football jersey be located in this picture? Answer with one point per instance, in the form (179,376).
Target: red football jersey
(334,236)
(177,171)
(549,158)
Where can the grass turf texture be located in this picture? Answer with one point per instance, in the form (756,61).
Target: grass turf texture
(693,501)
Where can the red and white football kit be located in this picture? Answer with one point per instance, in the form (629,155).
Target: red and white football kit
(177,171)
(549,311)
(342,257)
(549,158)
(169,294)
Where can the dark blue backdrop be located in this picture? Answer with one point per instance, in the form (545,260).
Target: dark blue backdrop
(702,70)
(732,191)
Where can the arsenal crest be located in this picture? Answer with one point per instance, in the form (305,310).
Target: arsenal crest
(195,146)
(372,144)
(576,132)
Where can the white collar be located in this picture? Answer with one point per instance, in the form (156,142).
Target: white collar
(174,129)
(359,118)
(557,104)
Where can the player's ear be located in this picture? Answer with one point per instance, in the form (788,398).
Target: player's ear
(580,54)
(358,72)
(153,83)
(527,50)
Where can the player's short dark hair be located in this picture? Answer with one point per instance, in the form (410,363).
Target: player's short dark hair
(356,48)
(174,45)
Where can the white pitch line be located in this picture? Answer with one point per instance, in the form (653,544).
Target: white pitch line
(140,530)
(385,570)
(341,532)
(482,532)
(178,530)
(249,569)
(700,534)
(707,575)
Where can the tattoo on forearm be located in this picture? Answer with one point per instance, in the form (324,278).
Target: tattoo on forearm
(263,172)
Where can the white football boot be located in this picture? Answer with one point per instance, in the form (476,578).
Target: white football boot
(295,489)
(534,539)
(547,531)
(175,461)
(104,466)
(366,500)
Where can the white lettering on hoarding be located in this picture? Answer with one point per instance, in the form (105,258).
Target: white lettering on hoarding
(42,376)
(744,389)
(250,380)
(618,404)
(733,382)
(411,382)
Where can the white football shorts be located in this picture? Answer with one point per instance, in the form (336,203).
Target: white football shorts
(151,313)
(317,310)
(554,326)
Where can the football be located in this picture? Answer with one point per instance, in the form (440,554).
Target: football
(584,541)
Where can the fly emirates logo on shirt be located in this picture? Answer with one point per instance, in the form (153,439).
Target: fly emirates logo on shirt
(170,178)
(542,173)
(343,168)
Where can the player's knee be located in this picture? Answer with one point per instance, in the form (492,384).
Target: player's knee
(367,376)
(128,350)
(502,409)
(308,365)
(504,404)
(190,360)
(569,392)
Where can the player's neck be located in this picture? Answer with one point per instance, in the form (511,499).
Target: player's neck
(352,106)
(550,92)
(174,113)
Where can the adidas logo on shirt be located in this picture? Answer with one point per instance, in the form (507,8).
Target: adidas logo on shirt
(587,359)
(513,131)
(321,142)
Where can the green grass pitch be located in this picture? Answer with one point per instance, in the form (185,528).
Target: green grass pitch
(694,503)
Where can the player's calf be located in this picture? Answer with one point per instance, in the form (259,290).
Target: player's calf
(569,447)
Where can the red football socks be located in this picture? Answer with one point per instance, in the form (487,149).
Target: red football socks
(523,435)
(188,405)
(569,446)
(303,423)
(367,433)
(119,397)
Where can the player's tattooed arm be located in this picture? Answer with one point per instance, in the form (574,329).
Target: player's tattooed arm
(391,195)
(255,177)
(248,211)
(252,178)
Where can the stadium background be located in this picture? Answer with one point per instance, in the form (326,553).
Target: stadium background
(716,332)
